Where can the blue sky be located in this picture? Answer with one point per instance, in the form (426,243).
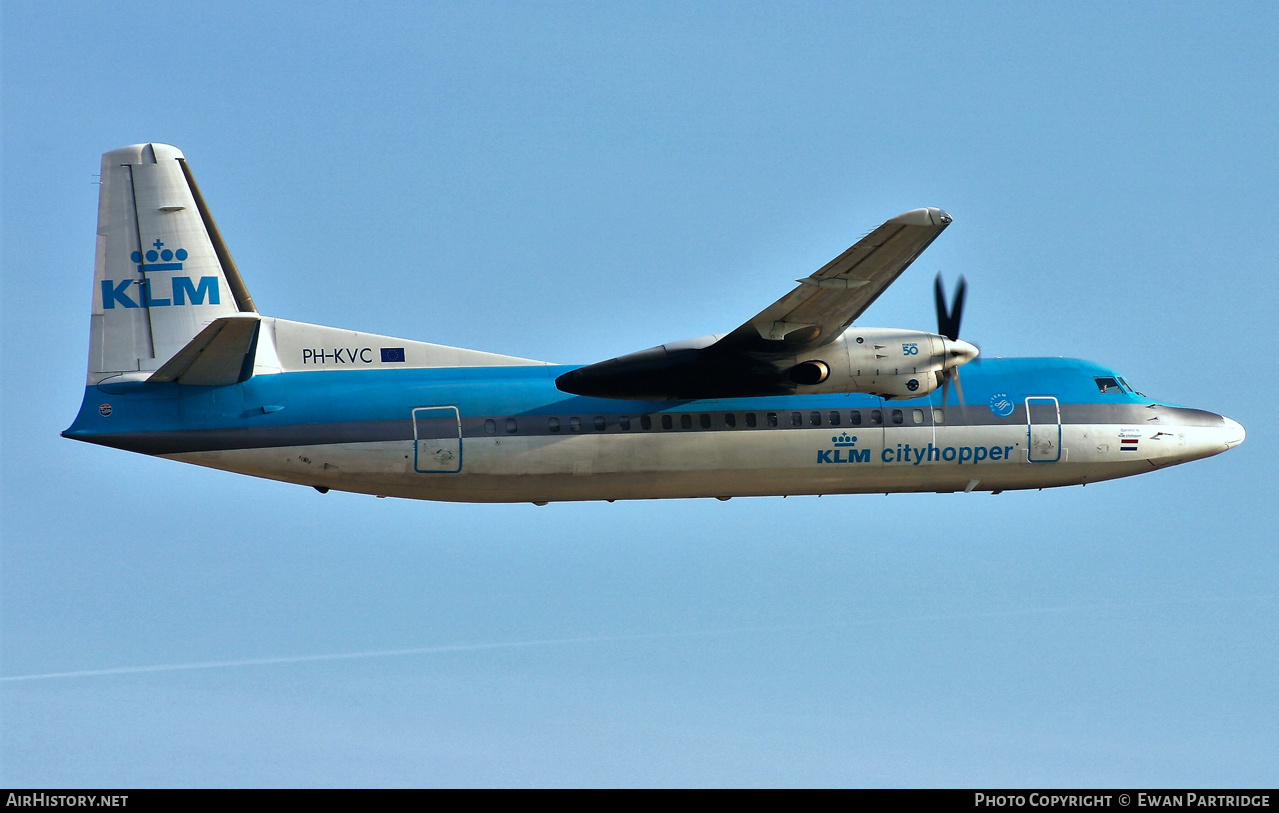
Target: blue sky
(574,181)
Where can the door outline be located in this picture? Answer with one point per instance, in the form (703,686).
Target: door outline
(894,434)
(435,453)
(1042,432)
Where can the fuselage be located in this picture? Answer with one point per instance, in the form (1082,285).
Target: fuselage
(507,434)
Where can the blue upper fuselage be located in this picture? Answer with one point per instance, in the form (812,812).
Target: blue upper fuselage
(372,396)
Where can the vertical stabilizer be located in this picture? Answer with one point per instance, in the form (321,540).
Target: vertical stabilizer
(161,272)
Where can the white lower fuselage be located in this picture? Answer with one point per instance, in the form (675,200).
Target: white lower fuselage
(794,462)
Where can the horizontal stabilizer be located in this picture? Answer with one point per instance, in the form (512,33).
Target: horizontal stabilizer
(220,354)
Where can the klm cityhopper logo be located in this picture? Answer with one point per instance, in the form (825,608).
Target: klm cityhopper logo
(843,451)
(144,293)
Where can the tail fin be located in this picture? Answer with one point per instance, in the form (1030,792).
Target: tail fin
(162,272)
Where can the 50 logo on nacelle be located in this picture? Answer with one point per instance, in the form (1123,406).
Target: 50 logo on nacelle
(182,291)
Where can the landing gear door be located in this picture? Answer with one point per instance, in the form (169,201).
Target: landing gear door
(1043,419)
(437,440)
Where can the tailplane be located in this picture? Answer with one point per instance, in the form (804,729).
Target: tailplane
(162,273)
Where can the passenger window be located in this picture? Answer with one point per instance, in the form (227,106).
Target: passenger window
(876,417)
(939,416)
(834,417)
(685,421)
(667,422)
(917,416)
(511,426)
(815,418)
(575,424)
(705,421)
(855,417)
(751,420)
(599,423)
(490,426)
(898,418)
(624,421)
(772,419)
(730,420)
(1108,385)
(796,419)
(646,422)
(553,424)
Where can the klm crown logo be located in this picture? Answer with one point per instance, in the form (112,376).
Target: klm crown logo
(843,451)
(160,258)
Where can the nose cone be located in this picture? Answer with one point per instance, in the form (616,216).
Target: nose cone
(959,352)
(1232,433)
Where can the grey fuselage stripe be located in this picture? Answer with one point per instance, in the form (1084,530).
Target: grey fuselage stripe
(535,424)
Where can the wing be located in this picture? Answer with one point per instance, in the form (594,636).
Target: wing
(826,303)
(746,361)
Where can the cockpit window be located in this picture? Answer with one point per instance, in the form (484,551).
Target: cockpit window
(1108,385)
(1128,387)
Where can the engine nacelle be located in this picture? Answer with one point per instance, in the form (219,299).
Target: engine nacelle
(885,362)
(888,362)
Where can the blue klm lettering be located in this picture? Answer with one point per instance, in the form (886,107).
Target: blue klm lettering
(838,455)
(184,288)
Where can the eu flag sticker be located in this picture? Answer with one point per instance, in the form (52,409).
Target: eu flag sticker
(393,354)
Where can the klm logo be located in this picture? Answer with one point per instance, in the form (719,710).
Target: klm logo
(844,451)
(181,291)
(153,293)
(160,258)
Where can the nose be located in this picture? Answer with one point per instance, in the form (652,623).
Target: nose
(1233,433)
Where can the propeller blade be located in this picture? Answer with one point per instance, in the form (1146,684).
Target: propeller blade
(939,300)
(944,377)
(948,318)
(957,308)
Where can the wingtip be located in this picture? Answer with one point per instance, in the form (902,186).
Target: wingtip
(928,216)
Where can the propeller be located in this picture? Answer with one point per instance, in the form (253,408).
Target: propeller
(948,319)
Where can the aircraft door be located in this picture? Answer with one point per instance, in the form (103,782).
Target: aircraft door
(437,440)
(1043,428)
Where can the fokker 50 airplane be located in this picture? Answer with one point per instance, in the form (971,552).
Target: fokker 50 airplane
(795,401)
